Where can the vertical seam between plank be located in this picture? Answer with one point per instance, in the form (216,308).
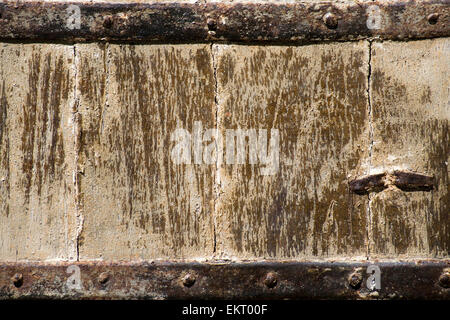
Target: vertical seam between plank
(370,114)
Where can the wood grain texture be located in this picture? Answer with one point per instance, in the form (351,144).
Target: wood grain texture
(136,202)
(316,96)
(410,116)
(37,208)
(85,151)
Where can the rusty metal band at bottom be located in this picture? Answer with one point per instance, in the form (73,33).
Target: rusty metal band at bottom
(253,280)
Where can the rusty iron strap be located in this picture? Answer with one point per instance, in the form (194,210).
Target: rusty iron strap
(300,22)
(404,180)
(254,280)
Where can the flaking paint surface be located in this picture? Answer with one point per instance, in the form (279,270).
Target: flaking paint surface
(410,115)
(36,153)
(316,96)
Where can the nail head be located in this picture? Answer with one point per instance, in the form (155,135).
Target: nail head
(355,280)
(271,280)
(103,277)
(108,22)
(17,280)
(188,280)
(212,26)
(330,20)
(444,280)
(433,18)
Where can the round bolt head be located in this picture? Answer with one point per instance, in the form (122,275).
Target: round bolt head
(444,280)
(355,280)
(330,20)
(433,18)
(17,280)
(188,280)
(212,26)
(103,277)
(108,22)
(271,280)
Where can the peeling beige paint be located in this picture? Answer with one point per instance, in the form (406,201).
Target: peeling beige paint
(411,113)
(317,97)
(36,153)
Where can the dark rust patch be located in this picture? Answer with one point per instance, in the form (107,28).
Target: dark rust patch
(410,181)
(371,183)
(404,180)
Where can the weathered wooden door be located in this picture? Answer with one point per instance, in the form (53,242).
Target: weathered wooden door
(224,150)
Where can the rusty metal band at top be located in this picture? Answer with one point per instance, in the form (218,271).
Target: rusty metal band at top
(427,279)
(298,22)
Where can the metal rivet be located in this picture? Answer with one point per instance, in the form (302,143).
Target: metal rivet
(271,280)
(212,26)
(433,18)
(188,280)
(355,280)
(17,280)
(330,20)
(108,22)
(444,280)
(103,277)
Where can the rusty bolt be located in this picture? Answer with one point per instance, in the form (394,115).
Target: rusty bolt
(444,280)
(355,280)
(17,280)
(103,277)
(433,18)
(330,20)
(271,280)
(188,280)
(212,26)
(108,22)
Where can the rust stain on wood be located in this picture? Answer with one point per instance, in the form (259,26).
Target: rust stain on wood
(316,97)
(411,133)
(132,98)
(37,155)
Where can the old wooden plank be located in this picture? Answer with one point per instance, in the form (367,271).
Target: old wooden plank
(316,96)
(410,115)
(37,208)
(136,202)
